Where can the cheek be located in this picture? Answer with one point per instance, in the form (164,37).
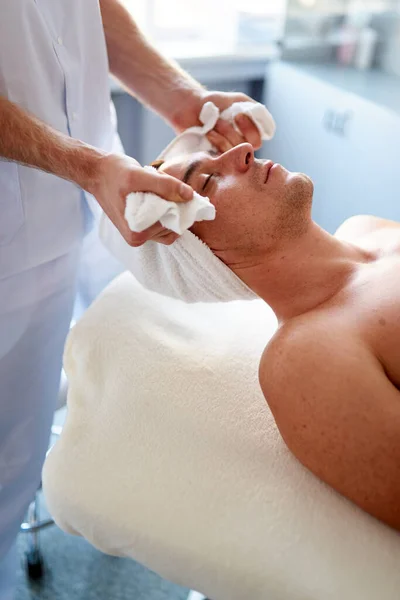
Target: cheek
(234,205)
(229,196)
(228,209)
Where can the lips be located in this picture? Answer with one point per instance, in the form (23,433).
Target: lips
(268,166)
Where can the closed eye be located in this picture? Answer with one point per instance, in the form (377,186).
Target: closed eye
(206,182)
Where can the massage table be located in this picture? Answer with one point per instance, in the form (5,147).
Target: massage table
(171,456)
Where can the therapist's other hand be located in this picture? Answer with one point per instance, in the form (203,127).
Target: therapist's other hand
(117,176)
(224,136)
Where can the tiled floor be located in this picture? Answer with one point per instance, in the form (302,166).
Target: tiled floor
(75,570)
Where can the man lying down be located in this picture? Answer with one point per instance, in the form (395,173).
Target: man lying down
(331,373)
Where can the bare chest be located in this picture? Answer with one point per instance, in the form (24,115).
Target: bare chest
(372,308)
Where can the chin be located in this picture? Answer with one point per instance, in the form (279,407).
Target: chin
(301,184)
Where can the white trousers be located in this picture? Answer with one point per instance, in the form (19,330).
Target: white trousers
(35,312)
(36,307)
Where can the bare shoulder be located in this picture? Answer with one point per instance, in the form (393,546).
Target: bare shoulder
(295,351)
(291,356)
(307,351)
(361,225)
(337,412)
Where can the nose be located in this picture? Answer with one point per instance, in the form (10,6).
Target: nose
(241,157)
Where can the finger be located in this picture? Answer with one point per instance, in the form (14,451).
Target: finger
(132,238)
(163,234)
(249,130)
(217,140)
(227,131)
(154,231)
(168,239)
(136,239)
(165,186)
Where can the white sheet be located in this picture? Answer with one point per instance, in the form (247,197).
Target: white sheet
(170,455)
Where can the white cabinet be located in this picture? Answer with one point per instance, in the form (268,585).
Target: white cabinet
(346,143)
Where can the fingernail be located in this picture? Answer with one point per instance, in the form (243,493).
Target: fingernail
(186,192)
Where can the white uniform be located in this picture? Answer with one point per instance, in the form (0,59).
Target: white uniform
(53,62)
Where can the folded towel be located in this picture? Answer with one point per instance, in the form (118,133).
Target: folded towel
(194,139)
(143,209)
(188,269)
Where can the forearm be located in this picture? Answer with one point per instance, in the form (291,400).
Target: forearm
(27,140)
(159,83)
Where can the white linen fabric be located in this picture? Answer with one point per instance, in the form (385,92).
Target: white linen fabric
(171,456)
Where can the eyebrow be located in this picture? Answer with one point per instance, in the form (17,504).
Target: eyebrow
(195,164)
(190,171)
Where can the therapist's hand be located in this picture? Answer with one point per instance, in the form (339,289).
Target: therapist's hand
(117,176)
(223,136)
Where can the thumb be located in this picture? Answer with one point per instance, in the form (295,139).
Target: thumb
(166,186)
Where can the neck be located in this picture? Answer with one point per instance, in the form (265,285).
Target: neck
(301,274)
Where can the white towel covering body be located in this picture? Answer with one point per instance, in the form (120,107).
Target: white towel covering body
(171,456)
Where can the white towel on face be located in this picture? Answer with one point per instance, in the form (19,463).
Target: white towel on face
(194,139)
(143,209)
(187,270)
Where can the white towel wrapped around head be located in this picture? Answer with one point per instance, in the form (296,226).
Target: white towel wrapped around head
(187,270)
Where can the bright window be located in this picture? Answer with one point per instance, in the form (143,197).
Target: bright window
(218,21)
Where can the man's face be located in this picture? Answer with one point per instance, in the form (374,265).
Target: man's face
(258,203)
